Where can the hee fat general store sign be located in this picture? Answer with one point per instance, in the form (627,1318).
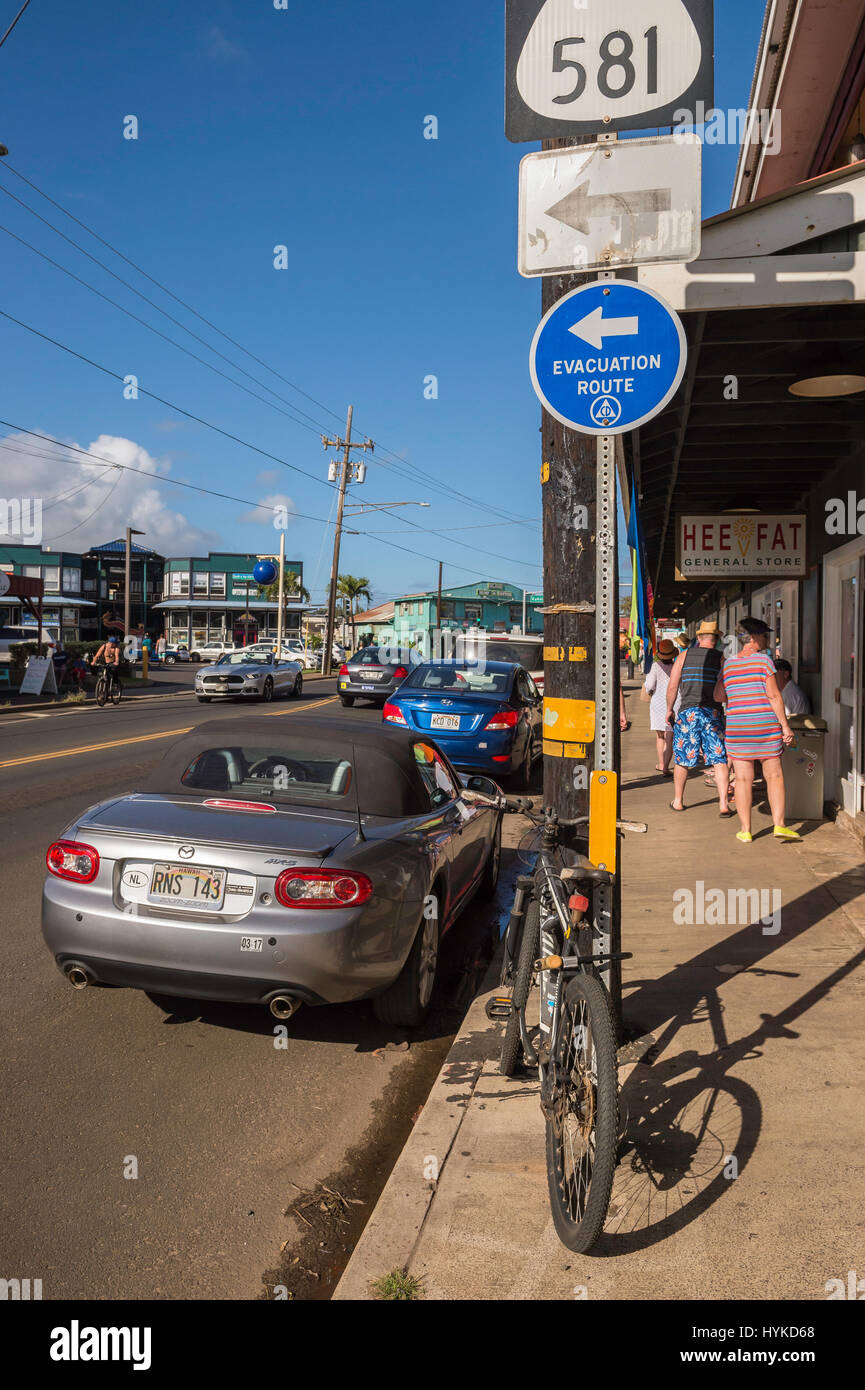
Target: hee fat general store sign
(741,547)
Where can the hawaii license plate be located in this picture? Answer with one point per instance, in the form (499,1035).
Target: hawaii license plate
(199,888)
(445,721)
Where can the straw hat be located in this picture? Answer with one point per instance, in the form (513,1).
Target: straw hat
(708,630)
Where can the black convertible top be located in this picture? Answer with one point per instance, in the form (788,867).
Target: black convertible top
(387,778)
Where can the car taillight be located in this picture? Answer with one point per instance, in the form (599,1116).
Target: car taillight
(503,719)
(393,714)
(68,859)
(321,888)
(400,673)
(343,670)
(220,804)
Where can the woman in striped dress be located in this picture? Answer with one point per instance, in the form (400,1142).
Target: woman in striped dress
(757,728)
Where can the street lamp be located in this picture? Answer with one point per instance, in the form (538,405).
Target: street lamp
(130,532)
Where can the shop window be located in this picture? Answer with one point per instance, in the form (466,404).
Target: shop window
(71,580)
(474,612)
(217,585)
(51,579)
(449,608)
(199,584)
(179,584)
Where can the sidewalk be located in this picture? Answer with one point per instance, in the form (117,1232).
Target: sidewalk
(741,1175)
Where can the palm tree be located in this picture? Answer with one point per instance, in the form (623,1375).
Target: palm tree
(352,588)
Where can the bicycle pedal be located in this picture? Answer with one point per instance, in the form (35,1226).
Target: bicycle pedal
(500,1006)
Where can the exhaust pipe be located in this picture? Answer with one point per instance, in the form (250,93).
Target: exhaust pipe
(284,1006)
(78,976)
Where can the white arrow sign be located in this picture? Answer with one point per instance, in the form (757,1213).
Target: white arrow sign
(594,328)
(610,205)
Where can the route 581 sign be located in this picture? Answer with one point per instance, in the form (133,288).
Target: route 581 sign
(580,67)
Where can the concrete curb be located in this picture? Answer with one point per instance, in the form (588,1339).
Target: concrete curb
(395,1229)
(396,1224)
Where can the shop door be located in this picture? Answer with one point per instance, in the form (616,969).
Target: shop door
(845,715)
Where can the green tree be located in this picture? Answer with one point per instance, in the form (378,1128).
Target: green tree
(291,588)
(351,587)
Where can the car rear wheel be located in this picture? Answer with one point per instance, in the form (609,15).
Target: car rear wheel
(346,701)
(406,1003)
(267,692)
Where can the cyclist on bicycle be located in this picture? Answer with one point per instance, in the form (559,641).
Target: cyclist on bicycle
(108,655)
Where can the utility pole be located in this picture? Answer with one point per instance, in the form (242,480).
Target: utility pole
(439,614)
(580,582)
(345,468)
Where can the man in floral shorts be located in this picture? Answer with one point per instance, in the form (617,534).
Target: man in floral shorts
(699,727)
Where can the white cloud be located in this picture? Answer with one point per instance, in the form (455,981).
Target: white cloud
(264,513)
(220,48)
(87,502)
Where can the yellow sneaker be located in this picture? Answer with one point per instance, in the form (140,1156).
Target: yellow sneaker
(783,833)
(745,836)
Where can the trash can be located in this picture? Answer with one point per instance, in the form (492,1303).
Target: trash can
(803,765)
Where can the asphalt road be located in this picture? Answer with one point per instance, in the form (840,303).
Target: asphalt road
(226,1131)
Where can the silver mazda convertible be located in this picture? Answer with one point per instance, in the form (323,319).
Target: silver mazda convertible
(313,861)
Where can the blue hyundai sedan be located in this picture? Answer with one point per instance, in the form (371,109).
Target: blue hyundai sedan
(485,720)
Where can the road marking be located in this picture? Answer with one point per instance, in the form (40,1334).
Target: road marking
(145,738)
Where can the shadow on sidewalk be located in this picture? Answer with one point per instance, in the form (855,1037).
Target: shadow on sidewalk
(690,1127)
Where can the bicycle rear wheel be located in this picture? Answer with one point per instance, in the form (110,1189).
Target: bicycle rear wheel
(582,1131)
(116,691)
(529,946)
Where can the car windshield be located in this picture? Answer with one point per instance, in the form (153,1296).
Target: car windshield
(244,658)
(527,654)
(458,680)
(280,774)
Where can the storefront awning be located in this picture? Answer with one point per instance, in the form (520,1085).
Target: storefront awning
(734,437)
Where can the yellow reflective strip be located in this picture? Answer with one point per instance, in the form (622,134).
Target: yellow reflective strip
(570,721)
(603,805)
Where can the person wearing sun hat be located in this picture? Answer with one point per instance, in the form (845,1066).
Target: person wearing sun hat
(698,729)
(655,686)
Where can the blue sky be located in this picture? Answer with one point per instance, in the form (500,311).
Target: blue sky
(304,128)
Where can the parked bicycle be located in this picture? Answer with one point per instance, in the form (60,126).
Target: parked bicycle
(554,933)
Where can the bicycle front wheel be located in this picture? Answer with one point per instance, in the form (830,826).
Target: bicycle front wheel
(512,1043)
(101,691)
(583,1127)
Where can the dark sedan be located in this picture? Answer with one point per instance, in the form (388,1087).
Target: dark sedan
(374,673)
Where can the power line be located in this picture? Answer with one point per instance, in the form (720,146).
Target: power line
(195,487)
(236,439)
(401,465)
(14,22)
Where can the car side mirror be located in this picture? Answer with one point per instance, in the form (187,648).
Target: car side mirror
(484,785)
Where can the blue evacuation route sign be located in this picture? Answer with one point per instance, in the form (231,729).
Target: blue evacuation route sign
(608,357)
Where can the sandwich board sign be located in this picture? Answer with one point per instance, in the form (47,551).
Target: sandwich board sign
(581,67)
(607,206)
(608,357)
(39,677)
